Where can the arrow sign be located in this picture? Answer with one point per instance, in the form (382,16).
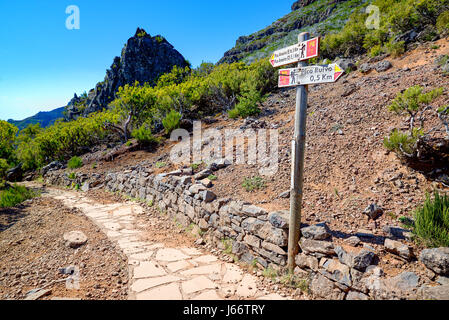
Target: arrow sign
(309,75)
(298,52)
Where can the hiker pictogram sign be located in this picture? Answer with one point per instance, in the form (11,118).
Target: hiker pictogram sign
(298,52)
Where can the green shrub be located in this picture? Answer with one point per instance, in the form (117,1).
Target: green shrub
(4,166)
(143,134)
(247,106)
(159,39)
(375,51)
(75,163)
(7,140)
(432,221)
(395,48)
(195,166)
(14,195)
(63,140)
(171,121)
(160,164)
(442,60)
(401,142)
(443,23)
(142,34)
(72,176)
(396,18)
(254,183)
(412,100)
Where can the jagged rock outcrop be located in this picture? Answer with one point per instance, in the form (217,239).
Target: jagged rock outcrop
(301,3)
(71,110)
(144,58)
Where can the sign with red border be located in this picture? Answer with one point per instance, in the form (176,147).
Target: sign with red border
(309,75)
(299,52)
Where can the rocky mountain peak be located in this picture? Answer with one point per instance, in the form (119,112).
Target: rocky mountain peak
(301,3)
(143,58)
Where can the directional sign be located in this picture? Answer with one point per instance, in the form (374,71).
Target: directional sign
(309,75)
(297,52)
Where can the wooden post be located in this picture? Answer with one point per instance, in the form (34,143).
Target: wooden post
(297,173)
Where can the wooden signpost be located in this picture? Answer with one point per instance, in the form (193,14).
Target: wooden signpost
(300,77)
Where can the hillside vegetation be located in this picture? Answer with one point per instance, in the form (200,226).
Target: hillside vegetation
(344,29)
(140,110)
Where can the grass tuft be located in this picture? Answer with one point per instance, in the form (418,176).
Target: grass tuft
(15,194)
(432,221)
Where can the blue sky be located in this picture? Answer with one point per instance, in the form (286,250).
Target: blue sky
(42,63)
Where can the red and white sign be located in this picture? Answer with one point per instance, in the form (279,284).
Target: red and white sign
(309,75)
(298,52)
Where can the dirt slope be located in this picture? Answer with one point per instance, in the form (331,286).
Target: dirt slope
(346,166)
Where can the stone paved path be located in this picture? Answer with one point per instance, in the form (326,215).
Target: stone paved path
(160,272)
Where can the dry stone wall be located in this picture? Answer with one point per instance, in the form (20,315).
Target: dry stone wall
(254,235)
(245,227)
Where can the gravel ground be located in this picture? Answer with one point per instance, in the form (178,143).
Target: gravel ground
(32,251)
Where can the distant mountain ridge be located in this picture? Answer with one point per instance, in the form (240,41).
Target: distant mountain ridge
(44,118)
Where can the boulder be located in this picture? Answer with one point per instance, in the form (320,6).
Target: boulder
(316,232)
(274,235)
(399,249)
(203,174)
(407,37)
(355,295)
(373,211)
(196,188)
(436,259)
(406,281)
(358,259)
(252,211)
(434,293)
(15,174)
(365,67)
(324,288)
(252,241)
(383,66)
(396,232)
(285,194)
(55,165)
(352,241)
(252,224)
(74,239)
(305,261)
(208,196)
(85,187)
(346,64)
(273,248)
(279,219)
(239,248)
(206,182)
(222,163)
(317,246)
(338,272)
